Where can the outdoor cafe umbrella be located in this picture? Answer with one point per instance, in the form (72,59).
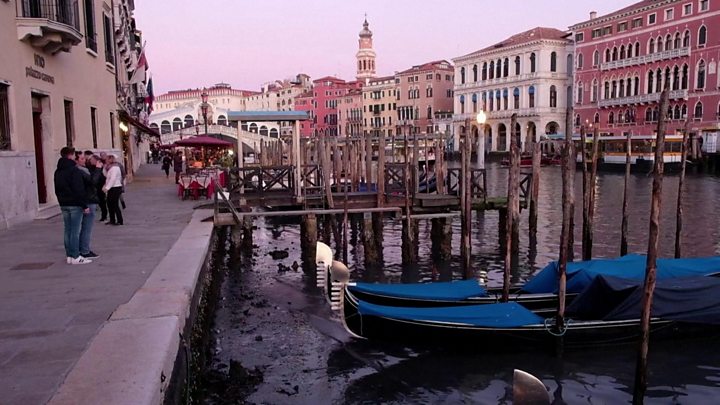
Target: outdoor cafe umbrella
(199,141)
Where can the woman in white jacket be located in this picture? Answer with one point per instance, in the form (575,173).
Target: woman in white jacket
(113,187)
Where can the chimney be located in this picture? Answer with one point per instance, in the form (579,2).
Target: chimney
(593,15)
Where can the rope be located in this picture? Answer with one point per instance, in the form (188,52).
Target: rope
(549,329)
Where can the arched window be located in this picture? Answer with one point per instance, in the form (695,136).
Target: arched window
(606,94)
(506,67)
(648,114)
(594,91)
(253,128)
(701,75)
(596,58)
(607,55)
(596,118)
(676,113)
(553,96)
(622,52)
(177,124)
(553,62)
(273,133)
(580,61)
(686,39)
(484,71)
(517,65)
(683,111)
(474,102)
(531,96)
(498,69)
(505,99)
(658,81)
(577,120)
(429,109)
(222,120)
(678,41)
(484,101)
(613,90)
(650,82)
(702,36)
(621,89)
(264,130)
(492,69)
(655,114)
(165,127)
(628,87)
(668,42)
(569,64)
(684,81)
(462,104)
(637,86)
(611,118)
(676,78)
(497,100)
(359,65)
(614,54)
(660,44)
(516,98)
(475,73)
(698,110)
(629,51)
(532,62)
(651,45)
(637,48)
(189,121)
(462,75)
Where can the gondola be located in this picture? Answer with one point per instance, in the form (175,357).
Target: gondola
(537,294)
(605,313)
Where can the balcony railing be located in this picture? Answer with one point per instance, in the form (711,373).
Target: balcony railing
(643,59)
(52,25)
(642,99)
(61,11)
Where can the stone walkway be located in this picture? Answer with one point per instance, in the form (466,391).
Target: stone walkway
(50,311)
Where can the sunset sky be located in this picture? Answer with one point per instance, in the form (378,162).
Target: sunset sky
(246,43)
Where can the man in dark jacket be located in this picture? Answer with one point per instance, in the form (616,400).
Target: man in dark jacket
(91,178)
(177,165)
(93,162)
(70,192)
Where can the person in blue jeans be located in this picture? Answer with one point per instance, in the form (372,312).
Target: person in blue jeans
(91,179)
(70,192)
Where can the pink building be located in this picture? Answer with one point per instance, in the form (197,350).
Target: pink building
(305,102)
(423,91)
(327,92)
(624,59)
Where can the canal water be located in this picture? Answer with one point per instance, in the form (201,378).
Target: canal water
(276,342)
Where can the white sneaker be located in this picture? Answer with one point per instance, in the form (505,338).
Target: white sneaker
(79,260)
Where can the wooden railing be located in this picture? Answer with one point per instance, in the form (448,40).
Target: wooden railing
(261,180)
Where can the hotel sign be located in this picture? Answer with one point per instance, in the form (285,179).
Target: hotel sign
(32,72)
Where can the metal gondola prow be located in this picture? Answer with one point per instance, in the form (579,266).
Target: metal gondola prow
(529,390)
(339,277)
(323,262)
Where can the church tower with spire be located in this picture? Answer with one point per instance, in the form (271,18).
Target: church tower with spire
(365,55)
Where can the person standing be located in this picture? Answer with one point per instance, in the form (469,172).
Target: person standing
(113,187)
(177,166)
(91,179)
(166,161)
(95,162)
(70,193)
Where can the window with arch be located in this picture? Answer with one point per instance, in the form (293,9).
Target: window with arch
(532,62)
(506,67)
(611,118)
(553,62)
(165,127)
(497,100)
(636,87)
(474,102)
(177,124)
(505,99)
(516,98)
(462,104)
(607,55)
(578,98)
(676,112)
(429,91)
(629,51)
(677,42)
(606,93)
(531,97)
(684,81)
(517,65)
(686,39)
(700,75)
(648,114)
(637,48)
(683,111)
(650,82)
(658,80)
(462,75)
(577,120)
(702,36)
(492,69)
(596,58)
(668,42)
(189,121)
(429,109)
(621,89)
(475,76)
(594,91)
(484,71)
(660,44)
(553,96)
(596,118)
(498,69)
(676,78)
(613,89)
(569,64)
(622,52)
(222,120)
(698,110)
(615,54)
(651,45)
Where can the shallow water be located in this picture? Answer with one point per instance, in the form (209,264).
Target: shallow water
(273,319)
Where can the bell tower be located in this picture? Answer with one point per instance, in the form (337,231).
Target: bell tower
(366,54)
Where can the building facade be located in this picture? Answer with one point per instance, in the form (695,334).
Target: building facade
(57,88)
(422,91)
(626,58)
(350,113)
(528,74)
(379,106)
(306,102)
(327,94)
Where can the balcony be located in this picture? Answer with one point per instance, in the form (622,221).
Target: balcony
(642,99)
(643,59)
(51,25)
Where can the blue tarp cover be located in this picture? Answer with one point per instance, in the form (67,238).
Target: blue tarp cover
(507,315)
(441,291)
(689,299)
(632,267)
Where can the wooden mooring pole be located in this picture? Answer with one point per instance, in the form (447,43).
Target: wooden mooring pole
(568,204)
(308,242)
(535,189)
(585,191)
(624,227)
(652,251)
(592,179)
(513,211)
(465,203)
(681,181)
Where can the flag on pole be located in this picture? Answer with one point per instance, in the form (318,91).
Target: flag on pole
(141,67)
(150,95)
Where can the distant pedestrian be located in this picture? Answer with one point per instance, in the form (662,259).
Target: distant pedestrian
(70,192)
(113,187)
(95,163)
(177,166)
(166,161)
(90,180)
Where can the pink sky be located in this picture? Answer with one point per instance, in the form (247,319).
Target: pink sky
(246,43)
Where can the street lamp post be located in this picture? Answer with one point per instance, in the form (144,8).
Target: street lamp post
(204,108)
